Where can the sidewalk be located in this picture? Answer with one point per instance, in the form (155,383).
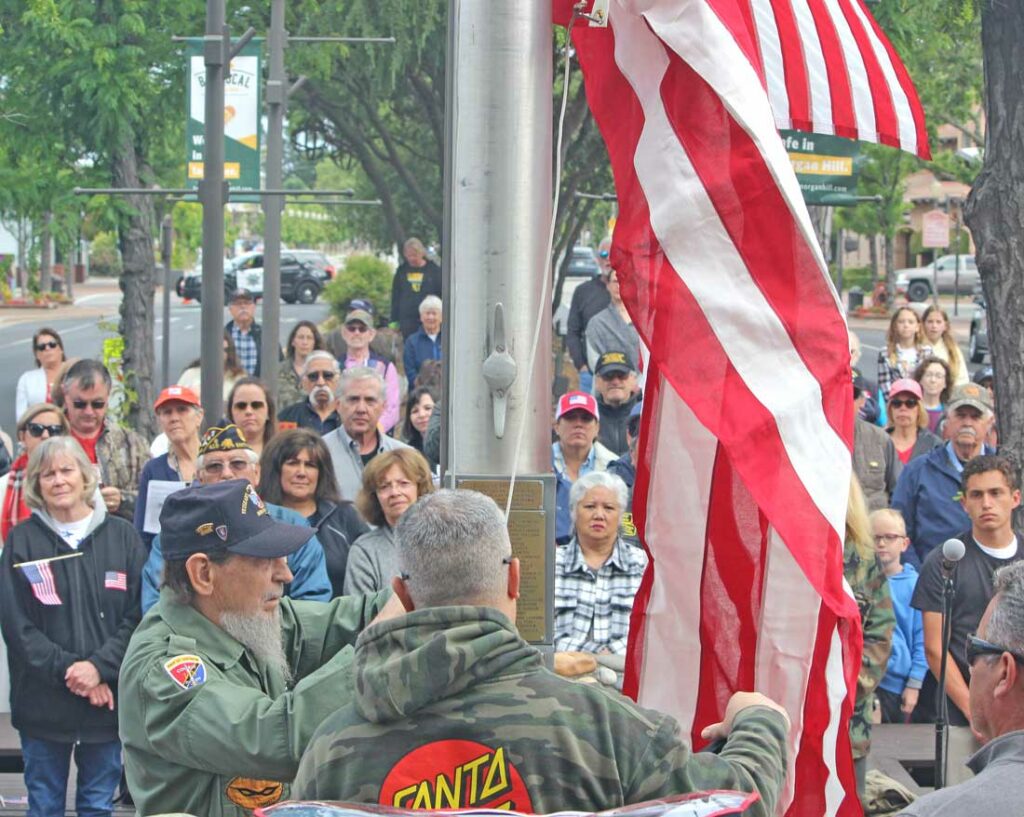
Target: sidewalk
(960,324)
(94,298)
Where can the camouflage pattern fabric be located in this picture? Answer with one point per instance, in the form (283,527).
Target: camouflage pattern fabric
(877,618)
(122,453)
(453,709)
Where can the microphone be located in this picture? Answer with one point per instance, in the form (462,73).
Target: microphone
(953,551)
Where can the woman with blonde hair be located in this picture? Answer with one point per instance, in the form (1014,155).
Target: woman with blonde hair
(392,482)
(866,578)
(939,335)
(908,421)
(904,349)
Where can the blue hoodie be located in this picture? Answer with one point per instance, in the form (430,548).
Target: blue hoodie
(907,665)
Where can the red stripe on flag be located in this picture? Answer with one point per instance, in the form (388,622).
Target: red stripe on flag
(738,17)
(844,122)
(797,81)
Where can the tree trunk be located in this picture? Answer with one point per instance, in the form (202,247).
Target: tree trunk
(889,246)
(22,264)
(46,255)
(137,285)
(995,214)
(873,254)
(821,220)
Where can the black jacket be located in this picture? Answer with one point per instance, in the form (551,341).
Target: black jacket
(337,527)
(93,623)
(407,294)
(614,420)
(588,299)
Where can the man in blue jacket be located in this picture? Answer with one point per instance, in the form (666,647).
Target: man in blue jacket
(928,490)
(224,455)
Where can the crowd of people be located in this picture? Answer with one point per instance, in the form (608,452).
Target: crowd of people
(227,579)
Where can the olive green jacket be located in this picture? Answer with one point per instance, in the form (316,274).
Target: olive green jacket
(211,730)
(453,709)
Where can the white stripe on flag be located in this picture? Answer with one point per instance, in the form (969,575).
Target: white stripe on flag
(785,646)
(695,242)
(771,58)
(817,71)
(837,692)
(684,456)
(860,87)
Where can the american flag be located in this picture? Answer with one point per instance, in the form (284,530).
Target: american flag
(115,580)
(744,462)
(40,578)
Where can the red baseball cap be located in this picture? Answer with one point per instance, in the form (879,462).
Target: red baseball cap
(180,394)
(577,400)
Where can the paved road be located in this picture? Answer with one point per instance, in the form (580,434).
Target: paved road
(83,337)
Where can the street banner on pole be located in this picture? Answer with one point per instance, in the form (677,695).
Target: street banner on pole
(242,107)
(826,166)
(935,230)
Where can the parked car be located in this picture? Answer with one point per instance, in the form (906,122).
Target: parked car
(582,267)
(304,273)
(920,283)
(977,347)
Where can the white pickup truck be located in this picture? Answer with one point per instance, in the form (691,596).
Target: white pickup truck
(920,283)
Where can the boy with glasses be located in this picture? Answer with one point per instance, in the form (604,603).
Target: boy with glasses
(905,673)
(119,454)
(319,411)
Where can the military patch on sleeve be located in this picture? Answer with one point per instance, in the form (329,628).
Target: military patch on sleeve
(250,793)
(452,774)
(187,671)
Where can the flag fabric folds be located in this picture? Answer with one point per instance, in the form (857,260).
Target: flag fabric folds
(744,463)
(40,578)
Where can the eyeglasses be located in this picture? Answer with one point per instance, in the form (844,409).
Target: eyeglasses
(238,466)
(910,402)
(313,377)
(396,485)
(356,326)
(96,404)
(888,537)
(977,647)
(256,405)
(37,429)
(505,561)
(42,346)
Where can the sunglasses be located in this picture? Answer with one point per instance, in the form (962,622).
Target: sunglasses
(47,344)
(241,405)
(313,377)
(977,647)
(37,430)
(356,326)
(97,405)
(910,402)
(215,469)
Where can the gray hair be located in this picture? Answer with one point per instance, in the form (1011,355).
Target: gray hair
(320,354)
(249,453)
(86,373)
(1006,624)
(597,479)
(431,302)
(46,452)
(414,244)
(452,547)
(357,373)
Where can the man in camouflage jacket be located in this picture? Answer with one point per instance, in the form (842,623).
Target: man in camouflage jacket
(452,709)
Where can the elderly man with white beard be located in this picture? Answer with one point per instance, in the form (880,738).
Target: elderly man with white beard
(226,679)
(319,411)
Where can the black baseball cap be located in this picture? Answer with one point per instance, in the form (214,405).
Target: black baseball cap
(225,516)
(242,295)
(611,362)
(986,373)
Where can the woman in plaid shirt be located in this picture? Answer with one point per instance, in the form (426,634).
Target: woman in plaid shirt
(904,349)
(597,573)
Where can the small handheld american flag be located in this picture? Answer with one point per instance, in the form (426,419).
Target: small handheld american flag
(44,587)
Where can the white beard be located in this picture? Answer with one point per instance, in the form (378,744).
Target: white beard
(260,633)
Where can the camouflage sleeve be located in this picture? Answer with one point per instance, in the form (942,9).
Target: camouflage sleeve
(878,620)
(754,759)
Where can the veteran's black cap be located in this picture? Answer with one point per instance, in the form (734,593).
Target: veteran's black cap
(225,516)
(611,362)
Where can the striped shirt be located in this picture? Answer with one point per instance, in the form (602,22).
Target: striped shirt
(592,607)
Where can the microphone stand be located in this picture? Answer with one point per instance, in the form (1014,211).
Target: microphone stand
(942,710)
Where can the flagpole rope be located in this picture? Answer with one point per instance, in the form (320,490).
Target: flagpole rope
(545,294)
